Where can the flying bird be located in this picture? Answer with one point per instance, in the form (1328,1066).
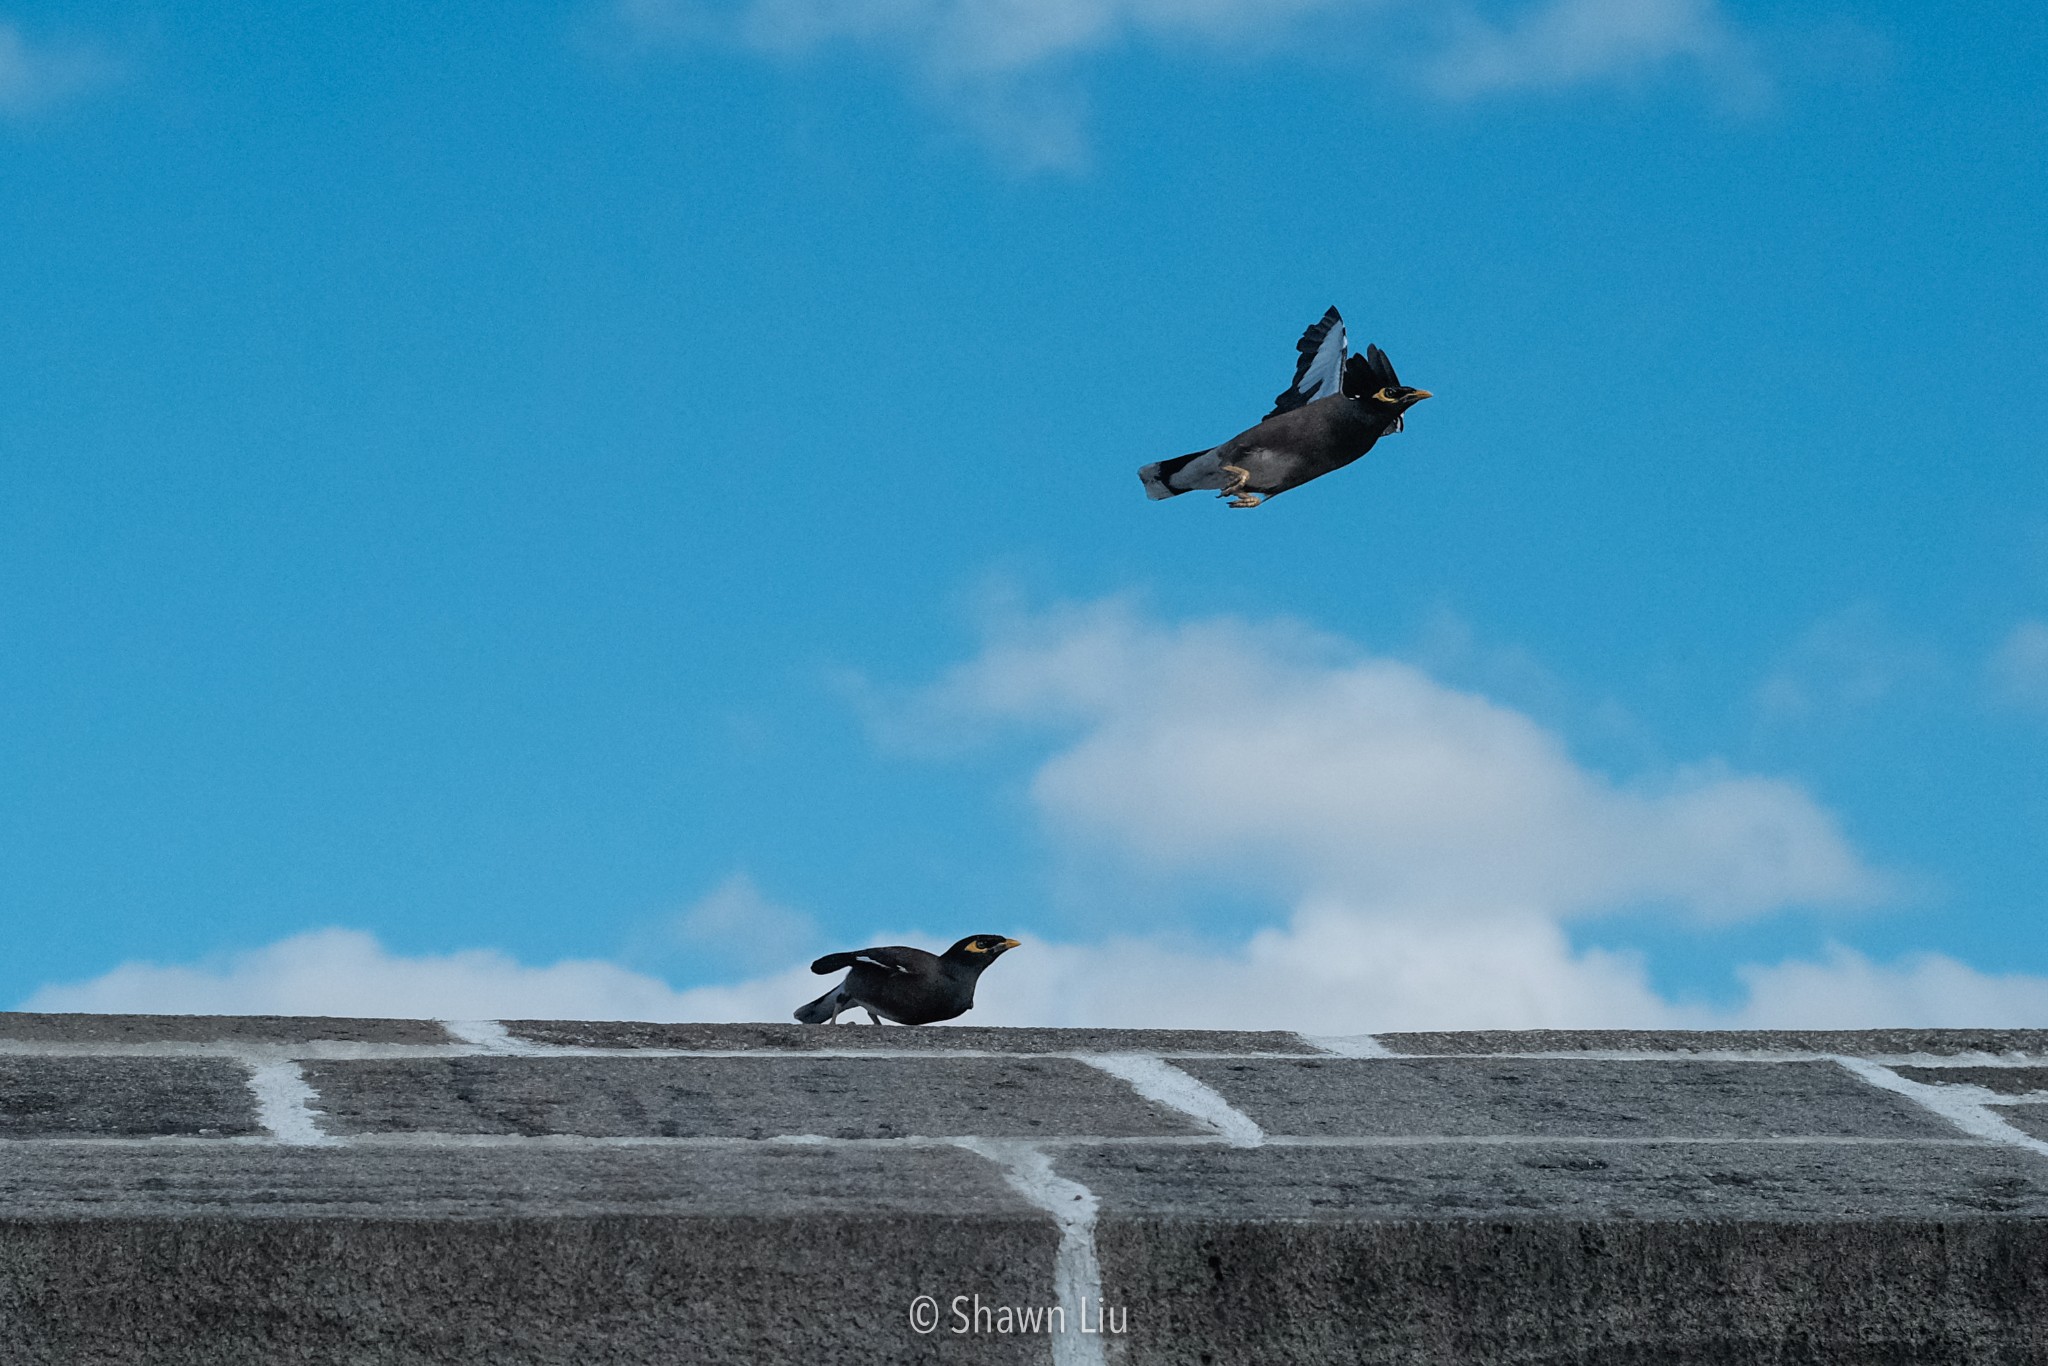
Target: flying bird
(906,985)
(1332,414)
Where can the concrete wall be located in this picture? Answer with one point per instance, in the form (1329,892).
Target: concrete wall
(216,1190)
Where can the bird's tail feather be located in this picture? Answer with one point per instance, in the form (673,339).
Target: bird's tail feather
(1159,476)
(820,1010)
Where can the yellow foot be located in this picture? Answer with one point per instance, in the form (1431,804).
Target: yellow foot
(1239,477)
(1246,500)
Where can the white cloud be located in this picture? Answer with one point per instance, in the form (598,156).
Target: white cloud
(735,927)
(1845,990)
(1849,662)
(2019,666)
(35,77)
(1007,66)
(954,39)
(1268,752)
(1332,969)
(1434,843)
(347,972)
(1563,43)
(1335,970)
(1329,970)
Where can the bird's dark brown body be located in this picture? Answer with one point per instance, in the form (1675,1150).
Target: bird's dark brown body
(1333,413)
(1289,449)
(906,985)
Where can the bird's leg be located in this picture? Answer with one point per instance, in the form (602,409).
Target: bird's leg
(872,1017)
(1235,490)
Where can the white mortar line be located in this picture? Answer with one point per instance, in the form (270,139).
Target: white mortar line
(284,1104)
(1348,1045)
(1962,1106)
(489,1036)
(1158,1080)
(1076,1272)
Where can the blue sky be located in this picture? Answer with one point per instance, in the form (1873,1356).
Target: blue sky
(557,483)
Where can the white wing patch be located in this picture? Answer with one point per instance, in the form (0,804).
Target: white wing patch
(1324,374)
(1318,367)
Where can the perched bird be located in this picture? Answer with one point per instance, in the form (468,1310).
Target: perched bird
(908,986)
(1332,413)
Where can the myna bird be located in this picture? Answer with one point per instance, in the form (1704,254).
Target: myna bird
(1332,414)
(906,985)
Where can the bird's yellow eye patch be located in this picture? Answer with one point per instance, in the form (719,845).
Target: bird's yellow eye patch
(1386,396)
(973,947)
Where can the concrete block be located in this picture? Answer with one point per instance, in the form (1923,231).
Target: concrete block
(80,1097)
(1849,1042)
(30,1027)
(936,1038)
(1544,1293)
(743,1290)
(2028,1119)
(481,1180)
(735,1097)
(1562,1097)
(2006,1081)
(1575,1181)
(544,1254)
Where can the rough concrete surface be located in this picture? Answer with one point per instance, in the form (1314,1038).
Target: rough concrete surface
(200,1190)
(1566,1097)
(952,1038)
(2006,1081)
(29,1026)
(1848,1042)
(723,1097)
(74,1097)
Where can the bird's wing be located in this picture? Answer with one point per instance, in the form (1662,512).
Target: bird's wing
(889,960)
(1318,372)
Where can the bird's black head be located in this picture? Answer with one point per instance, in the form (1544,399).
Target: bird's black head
(979,950)
(1372,378)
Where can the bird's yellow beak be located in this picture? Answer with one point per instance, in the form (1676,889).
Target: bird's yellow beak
(1419,395)
(1011,943)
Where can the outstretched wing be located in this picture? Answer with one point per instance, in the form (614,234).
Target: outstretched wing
(889,960)
(1319,371)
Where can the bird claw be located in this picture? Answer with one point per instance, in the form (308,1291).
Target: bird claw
(1246,500)
(1239,477)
